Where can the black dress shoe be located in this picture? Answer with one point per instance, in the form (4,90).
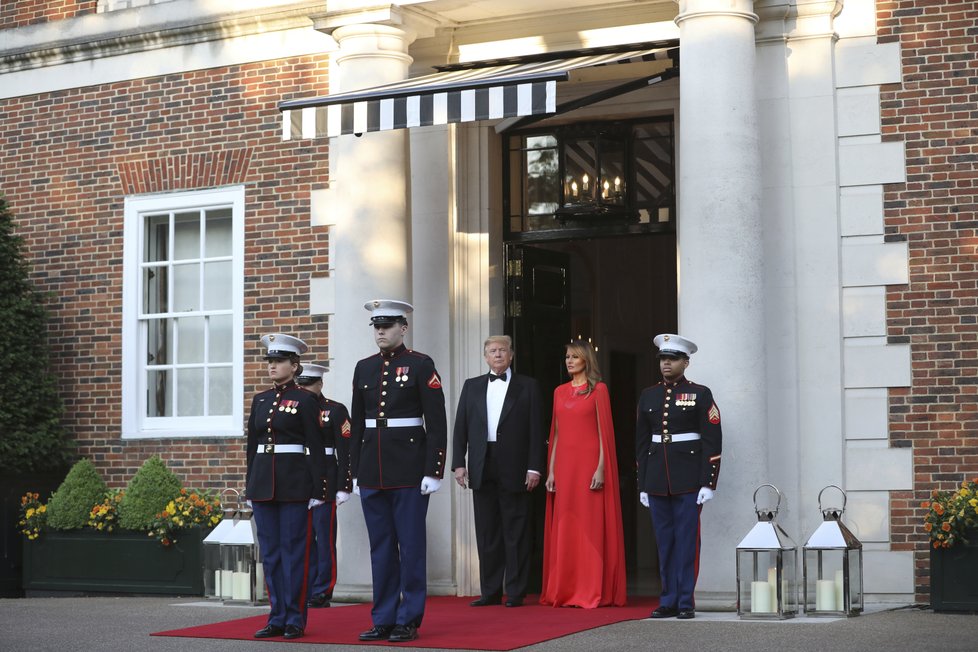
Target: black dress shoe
(403,633)
(665,612)
(293,631)
(486,601)
(377,633)
(686,614)
(514,602)
(320,601)
(269,631)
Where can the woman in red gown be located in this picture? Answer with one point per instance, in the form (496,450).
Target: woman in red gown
(583,544)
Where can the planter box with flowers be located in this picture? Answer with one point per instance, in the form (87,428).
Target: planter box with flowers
(952,521)
(146,539)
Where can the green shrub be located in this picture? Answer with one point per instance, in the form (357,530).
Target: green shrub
(72,503)
(153,486)
(32,437)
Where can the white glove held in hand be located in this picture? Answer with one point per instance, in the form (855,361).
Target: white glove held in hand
(429,485)
(643,498)
(356,488)
(315,503)
(705,495)
(248,503)
(341,497)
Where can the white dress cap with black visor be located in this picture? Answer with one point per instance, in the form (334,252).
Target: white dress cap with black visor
(384,312)
(311,373)
(671,344)
(282,347)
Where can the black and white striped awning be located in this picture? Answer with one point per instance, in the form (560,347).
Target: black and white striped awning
(485,90)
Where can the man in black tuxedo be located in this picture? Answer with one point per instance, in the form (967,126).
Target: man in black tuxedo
(499,423)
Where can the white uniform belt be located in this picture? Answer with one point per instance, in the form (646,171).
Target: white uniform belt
(406,422)
(329,450)
(682,436)
(282,448)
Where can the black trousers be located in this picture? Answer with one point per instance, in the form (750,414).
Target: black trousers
(502,533)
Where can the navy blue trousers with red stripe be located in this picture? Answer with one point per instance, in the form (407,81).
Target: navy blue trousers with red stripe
(284,534)
(676,520)
(322,555)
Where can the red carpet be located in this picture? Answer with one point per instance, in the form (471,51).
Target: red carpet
(449,623)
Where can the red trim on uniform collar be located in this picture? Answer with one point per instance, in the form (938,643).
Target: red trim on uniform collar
(387,355)
(682,379)
(288,385)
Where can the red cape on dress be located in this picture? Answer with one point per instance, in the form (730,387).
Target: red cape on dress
(583,549)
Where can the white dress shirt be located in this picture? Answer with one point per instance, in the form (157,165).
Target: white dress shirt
(495,395)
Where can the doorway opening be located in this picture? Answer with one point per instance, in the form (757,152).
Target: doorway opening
(619,292)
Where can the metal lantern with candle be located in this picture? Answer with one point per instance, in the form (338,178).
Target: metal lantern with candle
(767,562)
(214,578)
(833,565)
(241,560)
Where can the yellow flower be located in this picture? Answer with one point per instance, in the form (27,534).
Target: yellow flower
(42,508)
(30,512)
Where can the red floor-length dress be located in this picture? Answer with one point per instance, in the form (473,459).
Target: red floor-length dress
(583,545)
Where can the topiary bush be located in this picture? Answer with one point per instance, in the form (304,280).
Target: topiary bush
(71,504)
(32,437)
(147,494)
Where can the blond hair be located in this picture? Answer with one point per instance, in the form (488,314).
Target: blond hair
(497,339)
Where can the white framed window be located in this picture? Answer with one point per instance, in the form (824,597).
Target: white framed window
(115,5)
(183,314)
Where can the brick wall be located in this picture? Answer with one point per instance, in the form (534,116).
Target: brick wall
(935,112)
(67,160)
(16,13)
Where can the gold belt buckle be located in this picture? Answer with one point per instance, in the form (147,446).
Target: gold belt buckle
(269,448)
(666,439)
(382,423)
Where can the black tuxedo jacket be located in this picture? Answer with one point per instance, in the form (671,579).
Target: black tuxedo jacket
(519,437)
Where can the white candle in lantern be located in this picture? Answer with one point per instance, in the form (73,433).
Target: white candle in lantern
(584,180)
(840,602)
(241,589)
(617,185)
(217,584)
(227,583)
(772,579)
(574,188)
(604,189)
(825,595)
(760,598)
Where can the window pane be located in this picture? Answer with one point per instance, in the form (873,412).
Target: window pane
(217,285)
(157,236)
(159,393)
(546,140)
(154,290)
(186,235)
(190,340)
(190,392)
(516,173)
(219,338)
(217,240)
(159,341)
(219,387)
(186,288)
(543,190)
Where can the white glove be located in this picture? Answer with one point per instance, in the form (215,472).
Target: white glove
(248,503)
(429,485)
(315,503)
(341,497)
(643,498)
(705,495)
(356,488)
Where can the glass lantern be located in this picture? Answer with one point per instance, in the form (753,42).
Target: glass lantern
(214,577)
(767,562)
(241,566)
(833,565)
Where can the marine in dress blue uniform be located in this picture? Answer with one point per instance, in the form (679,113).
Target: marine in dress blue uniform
(678,444)
(285,479)
(334,422)
(397,458)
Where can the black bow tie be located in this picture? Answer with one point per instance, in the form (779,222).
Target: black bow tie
(493,377)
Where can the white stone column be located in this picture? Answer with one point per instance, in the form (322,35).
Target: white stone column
(721,278)
(370,240)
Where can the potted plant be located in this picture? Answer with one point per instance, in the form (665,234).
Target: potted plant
(146,539)
(952,523)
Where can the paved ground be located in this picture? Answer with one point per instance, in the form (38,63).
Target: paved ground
(124,624)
